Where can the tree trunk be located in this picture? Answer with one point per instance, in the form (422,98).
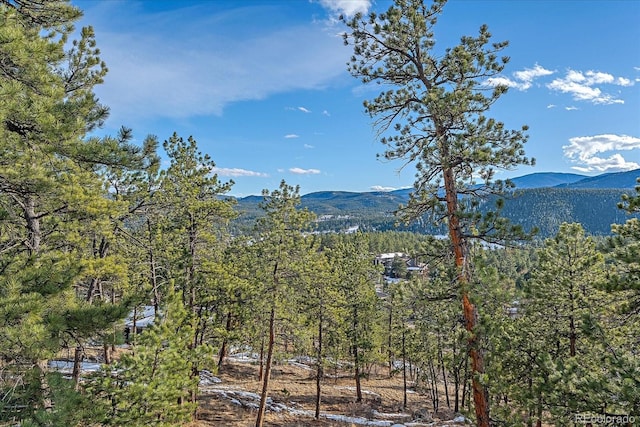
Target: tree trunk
(153,279)
(356,356)
(319,368)
(77,362)
(460,249)
(456,379)
(444,372)
(465,381)
(134,326)
(101,253)
(223,347)
(33,225)
(389,340)
(43,366)
(261,371)
(357,373)
(572,324)
(404,370)
(435,398)
(107,354)
(267,369)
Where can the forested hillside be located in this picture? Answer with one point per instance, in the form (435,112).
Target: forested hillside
(136,292)
(545,208)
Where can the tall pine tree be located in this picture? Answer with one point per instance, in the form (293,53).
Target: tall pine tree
(433,115)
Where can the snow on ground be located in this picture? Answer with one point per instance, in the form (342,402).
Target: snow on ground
(66,366)
(251,400)
(144,317)
(244,357)
(208,379)
(390,416)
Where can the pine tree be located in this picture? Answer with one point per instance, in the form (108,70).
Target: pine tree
(321,303)
(192,225)
(623,282)
(565,311)
(434,116)
(281,249)
(625,249)
(357,276)
(50,192)
(153,384)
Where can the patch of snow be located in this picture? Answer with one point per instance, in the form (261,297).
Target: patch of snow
(244,357)
(251,400)
(144,317)
(390,415)
(357,420)
(207,378)
(66,366)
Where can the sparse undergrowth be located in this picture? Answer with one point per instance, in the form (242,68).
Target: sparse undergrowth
(293,387)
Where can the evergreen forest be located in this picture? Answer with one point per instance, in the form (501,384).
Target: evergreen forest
(490,320)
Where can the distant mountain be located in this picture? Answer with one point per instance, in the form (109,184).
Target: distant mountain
(607,180)
(542,200)
(337,202)
(546,179)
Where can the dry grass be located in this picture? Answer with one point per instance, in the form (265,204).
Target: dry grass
(295,387)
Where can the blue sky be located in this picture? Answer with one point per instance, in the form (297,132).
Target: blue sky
(262,85)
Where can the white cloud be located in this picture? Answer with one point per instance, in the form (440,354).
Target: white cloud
(326,113)
(236,172)
(584,150)
(622,81)
(523,80)
(205,66)
(300,171)
(291,136)
(502,81)
(308,146)
(346,7)
(528,75)
(571,108)
(382,188)
(551,106)
(586,86)
(304,110)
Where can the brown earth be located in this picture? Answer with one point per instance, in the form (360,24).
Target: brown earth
(294,386)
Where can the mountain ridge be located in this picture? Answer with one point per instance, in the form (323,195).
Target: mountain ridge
(618,180)
(543,200)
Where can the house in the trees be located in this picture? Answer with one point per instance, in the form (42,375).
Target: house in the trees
(399,265)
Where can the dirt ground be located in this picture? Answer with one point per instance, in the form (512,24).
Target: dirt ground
(294,386)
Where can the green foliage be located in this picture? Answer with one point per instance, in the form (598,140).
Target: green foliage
(352,265)
(90,226)
(152,384)
(624,248)
(71,407)
(552,359)
(192,215)
(53,199)
(433,115)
